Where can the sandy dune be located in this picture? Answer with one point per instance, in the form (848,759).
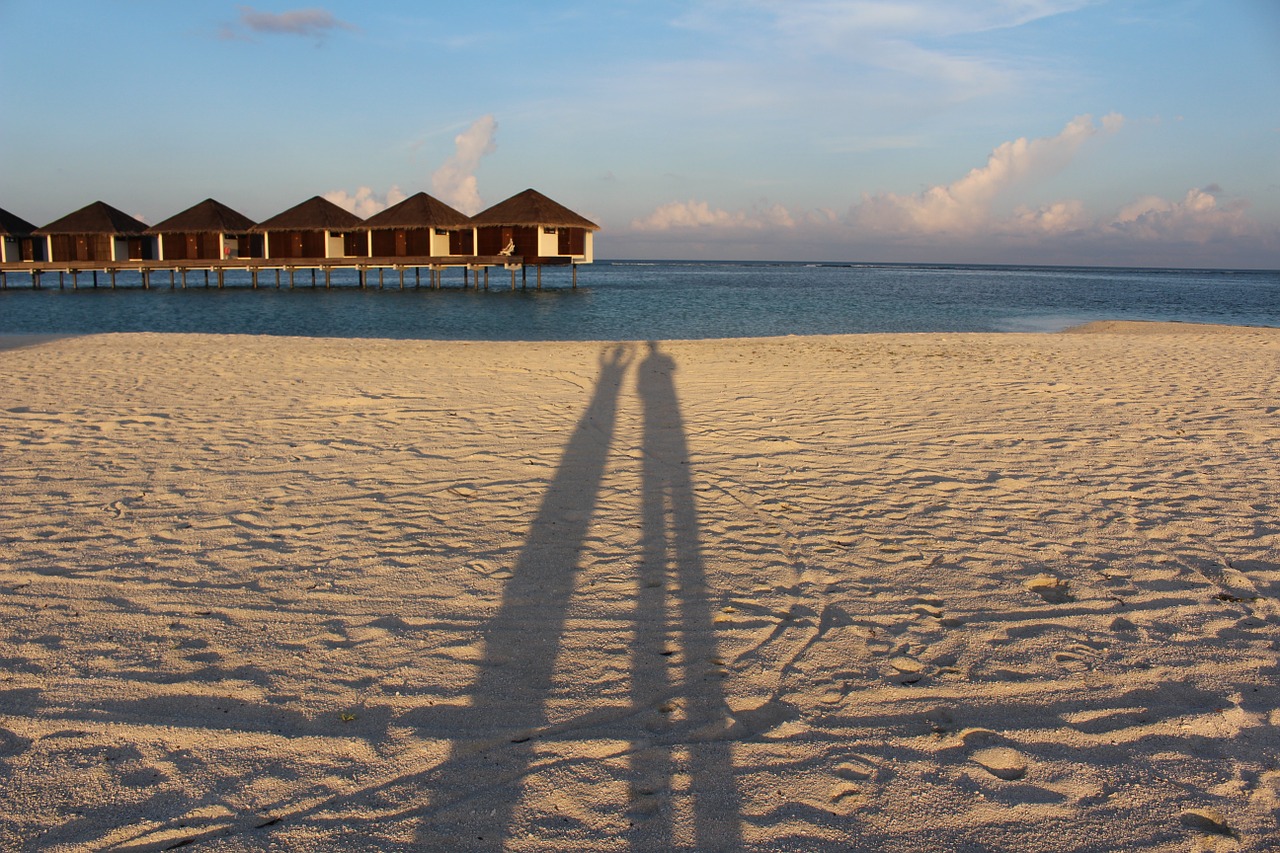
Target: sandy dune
(894,592)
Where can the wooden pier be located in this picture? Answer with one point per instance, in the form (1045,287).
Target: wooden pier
(279,272)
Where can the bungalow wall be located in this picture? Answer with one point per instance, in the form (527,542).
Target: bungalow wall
(190,247)
(295,244)
(402,242)
(461,242)
(80,247)
(17,249)
(492,239)
(347,244)
(242,245)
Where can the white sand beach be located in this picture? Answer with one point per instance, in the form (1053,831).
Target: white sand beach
(882,592)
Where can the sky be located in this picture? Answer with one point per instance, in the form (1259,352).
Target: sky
(1096,132)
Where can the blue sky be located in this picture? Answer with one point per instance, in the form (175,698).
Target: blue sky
(1005,131)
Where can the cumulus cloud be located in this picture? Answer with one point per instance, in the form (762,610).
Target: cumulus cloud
(699,214)
(308,23)
(961,216)
(455,181)
(364,202)
(965,205)
(1198,217)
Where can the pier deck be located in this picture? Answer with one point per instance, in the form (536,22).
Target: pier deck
(179,267)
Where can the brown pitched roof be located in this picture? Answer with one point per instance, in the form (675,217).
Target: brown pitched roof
(207,217)
(14,225)
(532,208)
(96,218)
(314,214)
(419,211)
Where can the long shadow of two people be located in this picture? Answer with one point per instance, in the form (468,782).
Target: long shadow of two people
(676,696)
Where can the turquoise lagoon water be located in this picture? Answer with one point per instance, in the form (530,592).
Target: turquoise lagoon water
(637,300)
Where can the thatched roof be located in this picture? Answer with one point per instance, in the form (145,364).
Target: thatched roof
(314,214)
(532,208)
(14,225)
(207,217)
(419,211)
(96,218)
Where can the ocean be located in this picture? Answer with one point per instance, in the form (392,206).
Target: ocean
(640,300)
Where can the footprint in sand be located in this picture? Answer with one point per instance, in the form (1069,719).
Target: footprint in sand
(1051,589)
(1001,762)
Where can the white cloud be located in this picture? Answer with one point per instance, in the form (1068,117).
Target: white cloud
(455,181)
(700,215)
(364,202)
(961,216)
(1197,218)
(965,205)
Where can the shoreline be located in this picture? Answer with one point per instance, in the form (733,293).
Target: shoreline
(880,590)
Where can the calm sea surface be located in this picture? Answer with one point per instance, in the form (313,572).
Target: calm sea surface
(618,300)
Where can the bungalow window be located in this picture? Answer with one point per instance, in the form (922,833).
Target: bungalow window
(441,232)
(548,230)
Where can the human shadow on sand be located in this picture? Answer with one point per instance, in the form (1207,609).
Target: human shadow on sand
(674,726)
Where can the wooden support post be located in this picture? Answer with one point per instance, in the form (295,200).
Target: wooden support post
(62,280)
(402,278)
(524,277)
(539,276)
(466,278)
(313,277)
(253,273)
(328,281)
(291,278)
(95,279)
(277,278)
(146,278)
(380,278)
(221,278)
(574,267)
(4,280)
(417,277)
(486,279)
(112,272)
(173,279)
(360,276)
(513,278)
(35,279)
(206,278)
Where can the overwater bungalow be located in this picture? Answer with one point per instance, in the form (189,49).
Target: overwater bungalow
(16,241)
(420,226)
(207,231)
(98,232)
(534,227)
(317,228)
